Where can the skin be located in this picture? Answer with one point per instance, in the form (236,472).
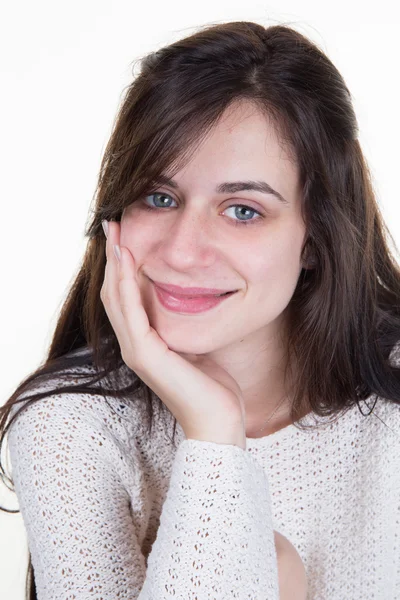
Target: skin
(291,572)
(193,241)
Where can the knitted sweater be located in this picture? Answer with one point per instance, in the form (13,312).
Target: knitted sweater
(113,513)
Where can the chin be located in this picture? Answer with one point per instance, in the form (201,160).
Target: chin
(185,346)
(187,340)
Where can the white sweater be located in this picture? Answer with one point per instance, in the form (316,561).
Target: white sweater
(111,514)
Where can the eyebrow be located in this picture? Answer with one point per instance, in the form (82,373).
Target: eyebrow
(230,187)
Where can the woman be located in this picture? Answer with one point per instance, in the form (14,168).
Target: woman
(234,165)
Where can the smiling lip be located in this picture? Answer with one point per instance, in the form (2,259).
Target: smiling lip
(186,304)
(176,290)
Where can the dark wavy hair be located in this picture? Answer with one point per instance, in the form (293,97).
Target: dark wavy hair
(345,312)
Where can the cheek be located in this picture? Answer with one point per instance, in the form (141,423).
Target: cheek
(272,276)
(136,237)
(280,261)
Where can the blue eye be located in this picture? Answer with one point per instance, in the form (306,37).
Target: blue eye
(238,222)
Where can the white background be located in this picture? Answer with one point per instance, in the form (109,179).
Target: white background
(63,68)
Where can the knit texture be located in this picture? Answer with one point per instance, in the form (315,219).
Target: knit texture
(111,513)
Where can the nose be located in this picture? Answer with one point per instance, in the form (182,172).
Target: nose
(189,242)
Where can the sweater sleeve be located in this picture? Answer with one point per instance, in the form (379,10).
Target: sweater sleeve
(215,539)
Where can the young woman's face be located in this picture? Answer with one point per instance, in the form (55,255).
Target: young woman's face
(199,237)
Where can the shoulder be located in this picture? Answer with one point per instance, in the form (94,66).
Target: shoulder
(68,415)
(96,419)
(387,419)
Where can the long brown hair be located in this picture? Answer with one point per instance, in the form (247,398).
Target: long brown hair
(345,312)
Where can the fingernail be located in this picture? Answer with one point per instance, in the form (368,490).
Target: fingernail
(105,227)
(117,252)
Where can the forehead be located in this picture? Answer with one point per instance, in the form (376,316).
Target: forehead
(244,144)
(244,121)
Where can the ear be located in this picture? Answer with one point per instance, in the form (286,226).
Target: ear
(310,260)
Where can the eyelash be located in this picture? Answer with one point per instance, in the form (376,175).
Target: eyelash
(236,223)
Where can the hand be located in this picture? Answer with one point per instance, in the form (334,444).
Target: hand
(206,401)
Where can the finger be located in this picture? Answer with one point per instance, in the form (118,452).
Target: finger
(145,343)
(110,289)
(122,298)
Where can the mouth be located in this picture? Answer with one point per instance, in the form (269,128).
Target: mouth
(192,292)
(189,304)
